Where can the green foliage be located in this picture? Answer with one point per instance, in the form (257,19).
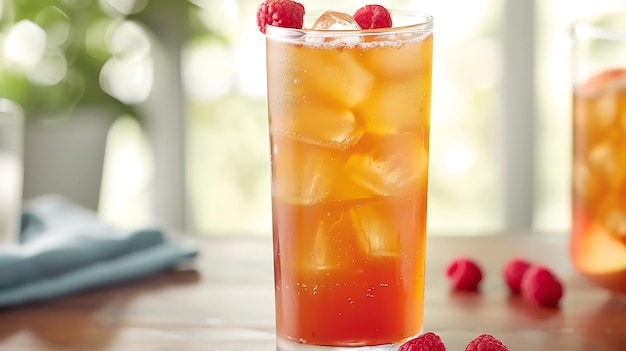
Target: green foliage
(83,23)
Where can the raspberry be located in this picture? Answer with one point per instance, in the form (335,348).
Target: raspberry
(541,287)
(426,342)
(486,342)
(281,13)
(372,16)
(464,274)
(513,272)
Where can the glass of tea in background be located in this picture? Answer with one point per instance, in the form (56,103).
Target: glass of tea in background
(598,238)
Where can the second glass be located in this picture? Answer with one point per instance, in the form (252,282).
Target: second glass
(349,114)
(11,151)
(598,240)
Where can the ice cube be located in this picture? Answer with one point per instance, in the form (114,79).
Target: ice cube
(303,77)
(347,189)
(409,58)
(320,123)
(391,166)
(611,211)
(329,250)
(303,173)
(396,106)
(328,243)
(377,230)
(333,20)
(312,240)
(586,186)
(615,222)
(605,111)
(605,161)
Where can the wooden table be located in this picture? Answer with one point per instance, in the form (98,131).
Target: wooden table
(226,303)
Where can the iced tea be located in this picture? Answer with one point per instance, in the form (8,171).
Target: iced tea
(349,117)
(599,179)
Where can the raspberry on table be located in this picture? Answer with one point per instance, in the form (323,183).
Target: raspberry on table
(280,13)
(541,287)
(426,342)
(372,17)
(486,342)
(464,274)
(513,272)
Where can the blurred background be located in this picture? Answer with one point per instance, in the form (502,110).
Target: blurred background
(154,110)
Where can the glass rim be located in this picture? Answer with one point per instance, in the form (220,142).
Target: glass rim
(600,27)
(423,22)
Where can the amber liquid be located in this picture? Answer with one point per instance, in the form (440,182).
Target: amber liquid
(599,180)
(349,129)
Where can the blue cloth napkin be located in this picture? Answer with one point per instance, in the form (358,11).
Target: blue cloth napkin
(65,249)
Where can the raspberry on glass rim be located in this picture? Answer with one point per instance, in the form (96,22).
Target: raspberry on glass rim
(280,13)
(290,14)
(373,17)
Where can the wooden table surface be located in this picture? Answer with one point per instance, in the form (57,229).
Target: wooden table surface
(226,303)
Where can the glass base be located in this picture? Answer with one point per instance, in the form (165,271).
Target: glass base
(288,345)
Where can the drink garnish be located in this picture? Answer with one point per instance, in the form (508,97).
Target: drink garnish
(604,82)
(290,14)
(373,17)
(280,13)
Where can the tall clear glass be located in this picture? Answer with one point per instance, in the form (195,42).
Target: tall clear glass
(11,163)
(598,238)
(349,115)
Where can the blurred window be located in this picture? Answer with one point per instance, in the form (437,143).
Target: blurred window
(228,145)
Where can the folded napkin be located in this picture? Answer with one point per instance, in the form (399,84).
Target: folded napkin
(65,249)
